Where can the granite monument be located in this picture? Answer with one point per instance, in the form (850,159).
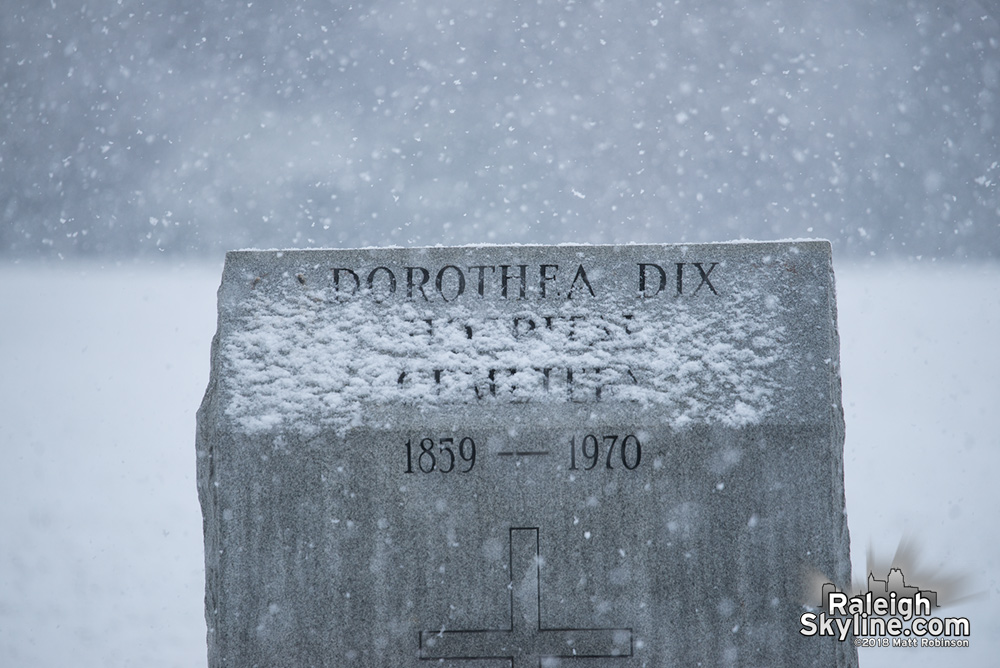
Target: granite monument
(523,456)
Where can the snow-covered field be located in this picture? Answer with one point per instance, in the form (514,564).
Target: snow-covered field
(102,369)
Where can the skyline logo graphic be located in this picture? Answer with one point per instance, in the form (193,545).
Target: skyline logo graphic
(893,591)
(890,613)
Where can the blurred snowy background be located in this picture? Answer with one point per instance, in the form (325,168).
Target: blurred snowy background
(139,140)
(186,127)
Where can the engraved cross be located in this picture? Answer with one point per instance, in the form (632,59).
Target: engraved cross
(526,644)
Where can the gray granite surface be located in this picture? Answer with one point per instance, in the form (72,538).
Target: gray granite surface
(523,456)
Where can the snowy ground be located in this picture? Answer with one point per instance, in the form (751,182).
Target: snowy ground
(101,370)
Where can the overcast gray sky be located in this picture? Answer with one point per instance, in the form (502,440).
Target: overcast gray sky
(140,128)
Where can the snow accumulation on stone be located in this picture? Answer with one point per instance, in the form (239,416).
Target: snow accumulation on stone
(308,360)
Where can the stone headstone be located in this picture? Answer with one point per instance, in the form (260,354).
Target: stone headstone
(523,456)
